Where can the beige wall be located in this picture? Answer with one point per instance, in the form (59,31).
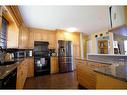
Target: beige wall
(85,39)
(94,41)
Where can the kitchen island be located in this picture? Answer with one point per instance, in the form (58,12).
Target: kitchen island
(99,75)
(108,58)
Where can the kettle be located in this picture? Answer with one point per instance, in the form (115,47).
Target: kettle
(8,57)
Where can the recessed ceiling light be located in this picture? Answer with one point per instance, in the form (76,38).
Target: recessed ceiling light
(71,29)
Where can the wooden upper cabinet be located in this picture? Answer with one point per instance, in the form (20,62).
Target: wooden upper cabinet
(12,28)
(52,39)
(37,36)
(31,39)
(60,35)
(42,35)
(17,34)
(12,36)
(23,37)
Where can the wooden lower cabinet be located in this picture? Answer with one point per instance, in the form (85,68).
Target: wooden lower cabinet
(54,65)
(21,74)
(85,76)
(30,67)
(108,82)
(90,79)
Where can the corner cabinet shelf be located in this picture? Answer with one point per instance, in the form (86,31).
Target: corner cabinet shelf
(103,46)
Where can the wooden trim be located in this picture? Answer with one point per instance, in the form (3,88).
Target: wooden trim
(15,13)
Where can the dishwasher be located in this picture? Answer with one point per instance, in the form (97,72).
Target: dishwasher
(9,82)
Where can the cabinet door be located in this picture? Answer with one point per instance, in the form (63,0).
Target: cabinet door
(37,36)
(21,74)
(30,67)
(23,38)
(60,35)
(54,65)
(12,36)
(19,81)
(31,40)
(52,40)
(44,35)
(86,76)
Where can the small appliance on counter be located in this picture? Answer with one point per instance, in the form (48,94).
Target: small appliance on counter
(52,52)
(19,54)
(9,82)
(8,57)
(29,53)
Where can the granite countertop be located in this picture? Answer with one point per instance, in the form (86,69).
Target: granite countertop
(115,70)
(106,54)
(7,69)
(118,71)
(89,60)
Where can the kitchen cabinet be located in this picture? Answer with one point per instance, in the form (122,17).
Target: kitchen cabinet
(54,65)
(60,35)
(52,40)
(85,76)
(74,37)
(30,67)
(117,16)
(103,46)
(42,35)
(12,29)
(23,37)
(21,74)
(108,82)
(31,40)
(15,37)
(37,36)
(12,36)
(76,45)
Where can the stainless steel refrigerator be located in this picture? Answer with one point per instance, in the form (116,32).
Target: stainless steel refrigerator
(65,58)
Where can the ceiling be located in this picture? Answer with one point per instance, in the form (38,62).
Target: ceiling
(86,19)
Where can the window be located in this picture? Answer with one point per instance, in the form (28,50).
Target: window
(3,33)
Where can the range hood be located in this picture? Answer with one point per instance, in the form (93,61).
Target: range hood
(121,30)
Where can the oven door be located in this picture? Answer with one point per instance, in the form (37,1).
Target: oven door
(42,65)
